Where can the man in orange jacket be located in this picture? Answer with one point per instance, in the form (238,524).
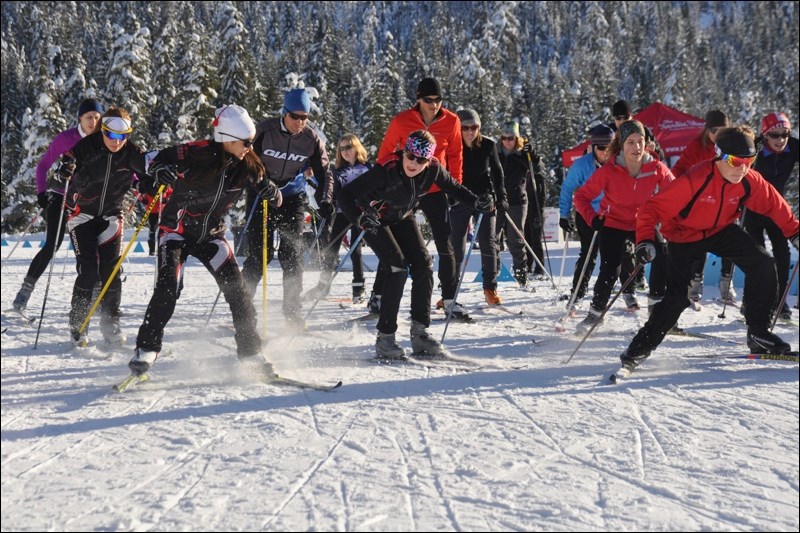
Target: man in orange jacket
(698,213)
(428,114)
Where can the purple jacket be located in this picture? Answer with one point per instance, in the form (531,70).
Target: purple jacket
(60,144)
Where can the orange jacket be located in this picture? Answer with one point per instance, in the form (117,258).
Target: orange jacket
(445,128)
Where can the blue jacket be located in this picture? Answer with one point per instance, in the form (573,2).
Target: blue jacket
(578,174)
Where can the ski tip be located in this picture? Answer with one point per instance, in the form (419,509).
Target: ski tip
(612,379)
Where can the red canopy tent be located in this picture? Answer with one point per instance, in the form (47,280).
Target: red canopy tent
(673,130)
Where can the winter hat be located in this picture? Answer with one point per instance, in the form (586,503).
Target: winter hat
(716,119)
(89,104)
(117,124)
(468,117)
(621,107)
(429,87)
(420,144)
(511,127)
(629,127)
(735,142)
(774,120)
(232,123)
(296,100)
(601,135)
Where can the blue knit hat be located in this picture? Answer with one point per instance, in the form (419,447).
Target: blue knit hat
(89,104)
(296,100)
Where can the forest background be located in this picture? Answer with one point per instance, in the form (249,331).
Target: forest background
(560,63)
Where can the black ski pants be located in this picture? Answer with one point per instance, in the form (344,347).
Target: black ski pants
(614,243)
(756,225)
(460,215)
(217,256)
(760,285)
(401,249)
(53,238)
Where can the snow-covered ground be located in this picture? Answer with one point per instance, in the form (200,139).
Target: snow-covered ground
(524,443)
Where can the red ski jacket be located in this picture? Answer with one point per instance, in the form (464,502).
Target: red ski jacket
(623,194)
(717,206)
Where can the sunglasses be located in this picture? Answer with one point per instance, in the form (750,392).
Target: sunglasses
(295,116)
(474,127)
(507,138)
(434,100)
(246,142)
(715,129)
(114,136)
(601,148)
(622,117)
(346,147)
(774,135)
(420,160)
(735,161)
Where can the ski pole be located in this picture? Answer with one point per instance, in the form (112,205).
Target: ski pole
(625,285)
(785,295)
(528,246)
(564,254)
(121,259)
(264,269)
(580,280)
(27,229)
(235,253)
(50,272)
(526,123)
(461,277)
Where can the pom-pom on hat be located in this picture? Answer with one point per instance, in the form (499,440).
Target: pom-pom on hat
(89,104)
(774,120)
(420,145)
(231,123)
(716,119)
(296,100)
(733,141)
(429,87)
(468,117)
(601,135)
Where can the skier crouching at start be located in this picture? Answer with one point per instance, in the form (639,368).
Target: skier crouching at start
(382,202)
(698,213)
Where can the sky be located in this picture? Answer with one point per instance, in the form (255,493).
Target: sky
(517,441)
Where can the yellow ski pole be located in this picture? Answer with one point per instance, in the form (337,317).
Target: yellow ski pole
(264,273)
(121,259)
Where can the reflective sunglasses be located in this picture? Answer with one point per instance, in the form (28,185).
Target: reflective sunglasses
(346,147)
(735,161)
(434,100)
(507,138)
(247,142)
(114,136)
(622,117)
(420,160)
(474,127)
(601,148)
(715,129)
(774,135)
(295,116)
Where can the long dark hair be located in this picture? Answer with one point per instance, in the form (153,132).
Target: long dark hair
(209,171)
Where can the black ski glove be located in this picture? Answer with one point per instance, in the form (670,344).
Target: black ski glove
(598,223)
(66,169)
(268,190)
(485,203)
(325,210)
(369,221)
(566,224)
(163,174)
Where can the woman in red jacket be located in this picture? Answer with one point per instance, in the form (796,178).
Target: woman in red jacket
(698,214)
(626,181)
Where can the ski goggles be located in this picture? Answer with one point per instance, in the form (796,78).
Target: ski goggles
(116,128)
(736,161)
